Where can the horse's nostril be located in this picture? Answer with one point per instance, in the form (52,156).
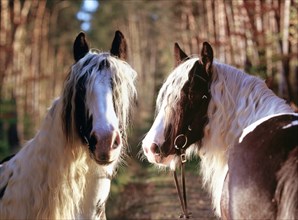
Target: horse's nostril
(115,145)
(117,141)
(155,149)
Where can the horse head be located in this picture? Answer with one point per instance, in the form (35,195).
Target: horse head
(96,99)
(183,102)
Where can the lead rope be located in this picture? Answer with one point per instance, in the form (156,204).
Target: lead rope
(182,197)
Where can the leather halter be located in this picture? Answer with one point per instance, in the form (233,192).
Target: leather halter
(181,153)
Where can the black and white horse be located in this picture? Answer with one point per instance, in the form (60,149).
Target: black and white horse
(246,137)
(65,171)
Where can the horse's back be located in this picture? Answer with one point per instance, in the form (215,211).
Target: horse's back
(263,171)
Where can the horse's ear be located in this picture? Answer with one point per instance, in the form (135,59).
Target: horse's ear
(119,46)
(207,56)
(80,47)
(180,56)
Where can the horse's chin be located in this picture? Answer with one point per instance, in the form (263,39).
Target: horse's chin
(104,162)
(163,162)
(171,162)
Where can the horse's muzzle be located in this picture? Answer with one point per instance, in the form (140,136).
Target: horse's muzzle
(107,148)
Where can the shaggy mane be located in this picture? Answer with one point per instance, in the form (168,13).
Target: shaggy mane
(237,100)
(48,194)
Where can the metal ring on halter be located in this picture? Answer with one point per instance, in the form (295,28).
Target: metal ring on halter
(180,135)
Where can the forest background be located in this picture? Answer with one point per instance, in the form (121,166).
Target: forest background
(36,37)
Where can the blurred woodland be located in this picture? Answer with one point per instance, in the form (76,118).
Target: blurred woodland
(36,36)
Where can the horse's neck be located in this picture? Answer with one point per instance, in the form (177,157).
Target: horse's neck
(237,101)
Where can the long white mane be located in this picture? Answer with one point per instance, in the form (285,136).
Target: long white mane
(53,177)
(237,100)
(39,179)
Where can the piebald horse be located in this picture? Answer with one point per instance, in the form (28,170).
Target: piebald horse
(245,135)
(65,171)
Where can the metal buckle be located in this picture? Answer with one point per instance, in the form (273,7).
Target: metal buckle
(183,158)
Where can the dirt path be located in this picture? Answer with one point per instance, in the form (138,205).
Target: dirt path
(152,196)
